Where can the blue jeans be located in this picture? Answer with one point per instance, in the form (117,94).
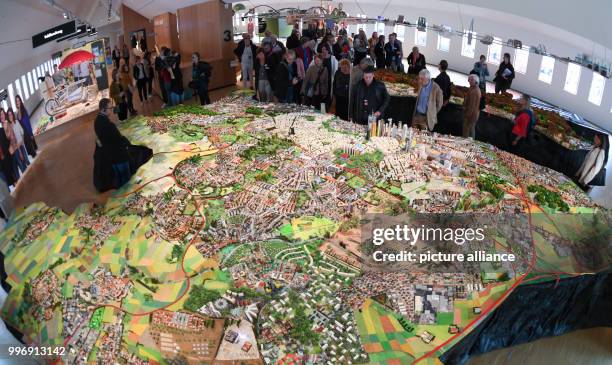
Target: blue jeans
(176,99)
(168,88)
(18,164)
(24,155)
(122,173)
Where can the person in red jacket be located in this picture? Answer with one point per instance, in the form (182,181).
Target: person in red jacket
(523,123)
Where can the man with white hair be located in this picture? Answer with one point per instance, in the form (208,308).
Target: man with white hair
(429,102)
(471,107)
(277,46)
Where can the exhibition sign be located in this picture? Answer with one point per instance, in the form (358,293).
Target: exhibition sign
(53,33)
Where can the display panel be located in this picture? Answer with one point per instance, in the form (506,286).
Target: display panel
(572,80)
(546,69)
(420,38)
(494,52)
(468,48)
(597,88)
(521,59)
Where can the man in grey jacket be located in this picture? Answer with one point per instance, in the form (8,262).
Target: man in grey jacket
(429,102)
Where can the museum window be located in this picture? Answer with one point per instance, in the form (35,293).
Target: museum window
(494,52)
(30,84)
(572,79)
(380,28)
(468,49)
(400,29)
(12,93)
(35,78)
(521,59)
(24,85)
(597,88)
(420,38)
(547,68)
(443,43)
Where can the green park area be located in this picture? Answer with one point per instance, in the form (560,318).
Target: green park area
(305,228)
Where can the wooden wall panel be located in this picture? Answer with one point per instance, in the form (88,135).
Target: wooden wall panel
(133,21)
(165,30)
(204,28)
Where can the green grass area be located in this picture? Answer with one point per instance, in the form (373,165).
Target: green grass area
(360,160)
(186,132)
(96,319)
(302,198)
(254,110)
(488,182)
(214,211)
(267,146)
(271,248)
(444,318)
(237,254)
(184,109)
(309,227)
(198,296)
(548,198)
(356,182)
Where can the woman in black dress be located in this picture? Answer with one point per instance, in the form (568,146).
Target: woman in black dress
(504,75)
(342,80)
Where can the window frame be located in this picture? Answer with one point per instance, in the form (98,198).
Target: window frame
(596,76)
(24,87)
(440,37)
(401,36)
(11,95)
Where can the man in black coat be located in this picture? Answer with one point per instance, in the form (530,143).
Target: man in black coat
(112,148)
(444,81)
(370,97)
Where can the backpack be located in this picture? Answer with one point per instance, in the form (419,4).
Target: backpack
(532,120)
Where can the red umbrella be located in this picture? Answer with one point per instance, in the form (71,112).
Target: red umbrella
(76,57)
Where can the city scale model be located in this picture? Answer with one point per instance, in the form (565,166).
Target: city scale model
(239,242)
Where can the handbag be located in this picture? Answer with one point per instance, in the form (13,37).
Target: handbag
(310,89)
(599,179)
